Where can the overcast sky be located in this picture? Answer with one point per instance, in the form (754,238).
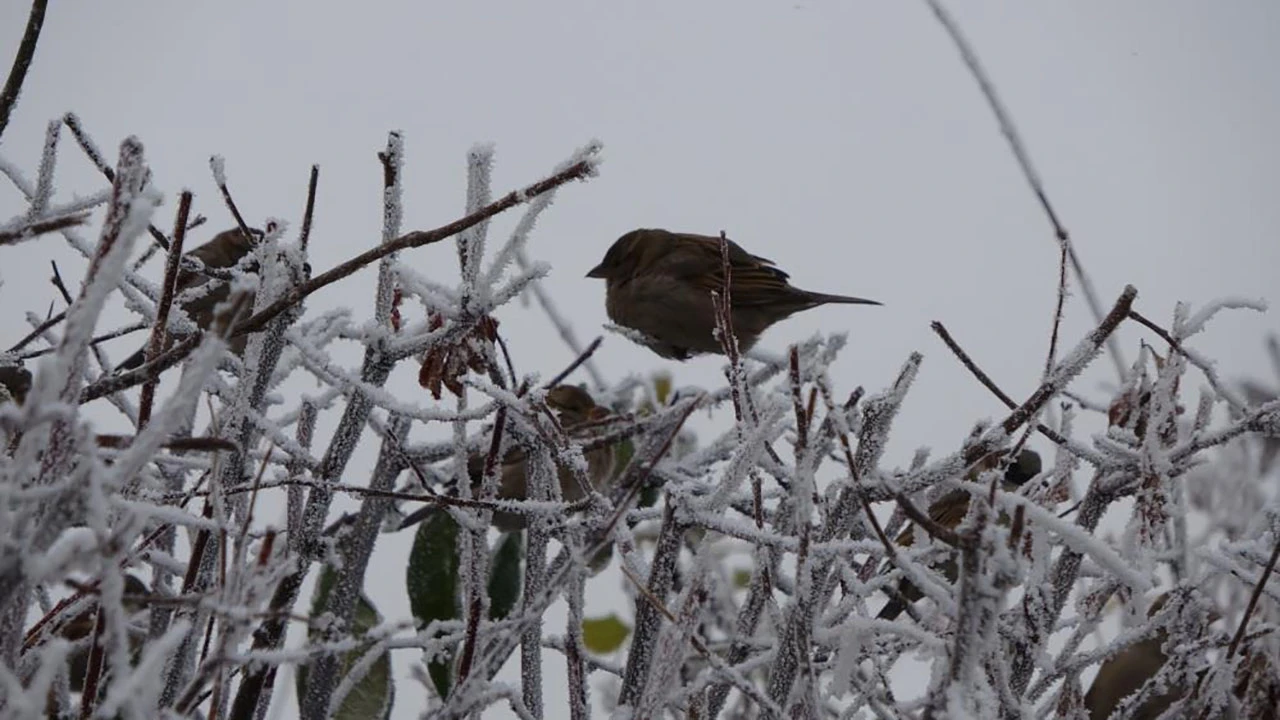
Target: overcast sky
(843,140)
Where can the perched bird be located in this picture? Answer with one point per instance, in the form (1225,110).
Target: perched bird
(660,283)
(224,251)
(15,381)
(1124,674)
(574,407)
(949,510)
(80,626)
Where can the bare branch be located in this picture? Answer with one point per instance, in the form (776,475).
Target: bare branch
(22,62)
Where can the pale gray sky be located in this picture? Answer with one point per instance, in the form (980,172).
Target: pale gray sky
(844,140)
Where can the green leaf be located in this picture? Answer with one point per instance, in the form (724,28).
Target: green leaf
(432,581)
(741,578)
(505,579)
(374,695)
(604,635)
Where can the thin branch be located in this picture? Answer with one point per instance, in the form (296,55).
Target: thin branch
(1066,370)
(72,121)
(1254,597)
(578,171)
(59,284)
(936,530)
(97,339)
(577,362)
(304,235)
(1061,300)
(40,329)
(142,373)
(31,229)
(990,384)
(22,62)
(216,164)
(159,331)
(1010,132)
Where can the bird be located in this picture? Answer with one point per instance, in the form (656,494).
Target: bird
(574,407)
(15,382)
(948,511)
(225,250)
(660,283)
(1124,674)
(80,626)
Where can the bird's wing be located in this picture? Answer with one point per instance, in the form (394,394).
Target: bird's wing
(755,280)
(475,463)
(947,511)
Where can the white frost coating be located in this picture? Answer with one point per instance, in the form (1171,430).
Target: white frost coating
(320,364)
(535,272)
(140,686)
(514,248)
(748,454)
(357,673)
(634,336)
(166,514)
(703,485)
(183,401)
(471,241)
(31,701)
(83,315)
(73,551)
(219,167)
(1072,535)
(1196,323)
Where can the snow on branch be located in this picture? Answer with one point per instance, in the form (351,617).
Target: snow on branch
(774,563)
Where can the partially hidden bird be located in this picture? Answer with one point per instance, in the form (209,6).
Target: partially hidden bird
(82,625)
(659,283)
(948,511)
(574,407)
(15,382)
(1124,674)
(225,250)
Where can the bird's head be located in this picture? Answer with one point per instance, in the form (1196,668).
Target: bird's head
(235,243)
(1027,466)
(574,405)
(17,381)
(632,252)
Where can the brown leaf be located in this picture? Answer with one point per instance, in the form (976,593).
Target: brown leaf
(397,297)
(446,365)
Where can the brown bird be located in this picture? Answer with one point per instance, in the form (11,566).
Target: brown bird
(948,511)
(224,251)
(660,283)
(574,407)
(15,381)
(79,627)
(1124,674)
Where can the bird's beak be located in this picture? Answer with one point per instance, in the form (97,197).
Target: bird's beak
(597,272)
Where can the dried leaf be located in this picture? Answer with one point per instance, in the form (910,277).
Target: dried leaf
(446,365)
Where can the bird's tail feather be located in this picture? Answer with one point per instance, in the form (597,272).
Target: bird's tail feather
(892,609)
(134,360)
(418,516)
